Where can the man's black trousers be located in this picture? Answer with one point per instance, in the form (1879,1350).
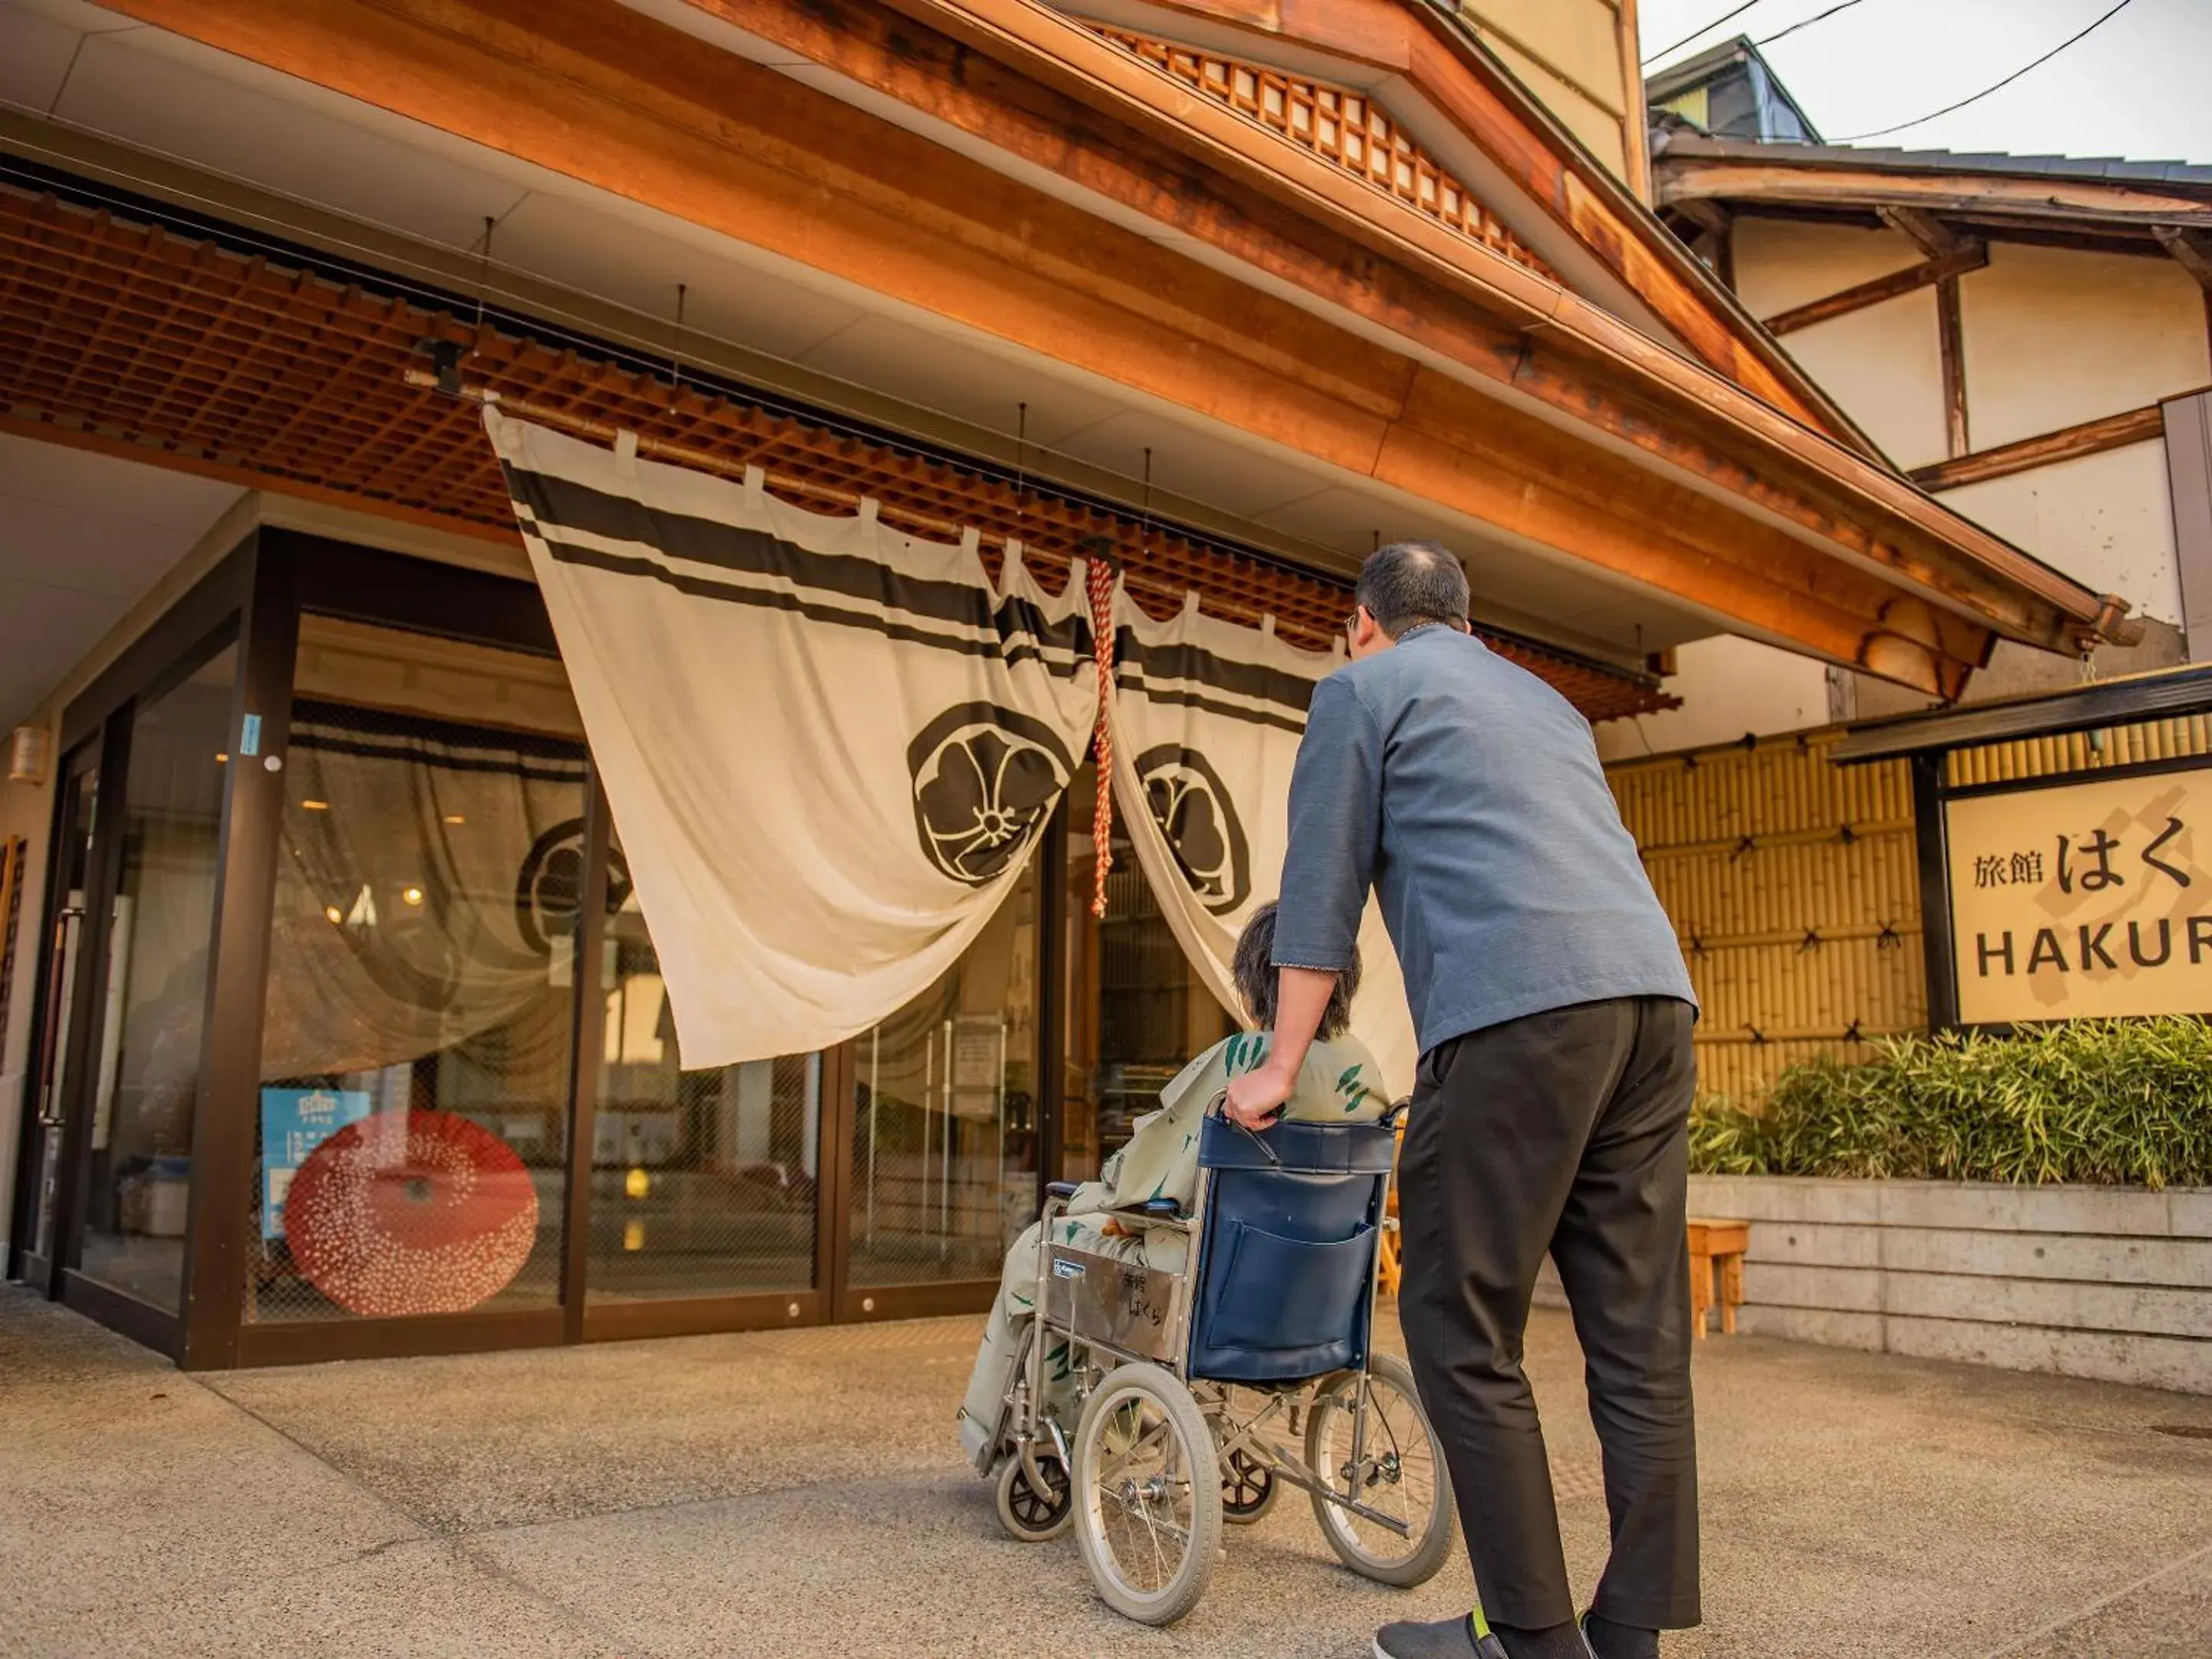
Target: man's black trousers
(1566,1133)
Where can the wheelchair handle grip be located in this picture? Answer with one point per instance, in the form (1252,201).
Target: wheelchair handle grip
(1219,1106)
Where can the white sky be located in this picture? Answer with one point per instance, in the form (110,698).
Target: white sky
(2140,86)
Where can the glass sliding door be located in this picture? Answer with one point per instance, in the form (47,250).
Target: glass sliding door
(704,1182)
(944,1170)
(416,1052)
(143,1065)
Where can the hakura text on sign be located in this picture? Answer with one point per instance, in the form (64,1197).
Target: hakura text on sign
(2083,899)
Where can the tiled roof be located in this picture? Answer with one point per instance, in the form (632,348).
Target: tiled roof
(2111,169)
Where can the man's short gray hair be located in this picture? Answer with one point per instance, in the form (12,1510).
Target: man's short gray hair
(1257,978)
(1409,583)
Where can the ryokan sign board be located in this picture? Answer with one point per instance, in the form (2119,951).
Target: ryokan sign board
(2089,899)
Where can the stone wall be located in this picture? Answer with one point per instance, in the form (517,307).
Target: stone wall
(2110,1283)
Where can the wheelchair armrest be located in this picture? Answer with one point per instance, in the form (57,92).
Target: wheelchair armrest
(1061,1188)
(1159,1209)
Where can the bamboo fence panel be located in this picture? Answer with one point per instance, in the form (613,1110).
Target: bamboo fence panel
(1794,883)
(1794,887)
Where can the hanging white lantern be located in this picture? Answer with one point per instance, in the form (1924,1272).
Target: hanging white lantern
(28,749)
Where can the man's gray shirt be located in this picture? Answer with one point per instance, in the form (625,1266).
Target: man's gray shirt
(1468,793)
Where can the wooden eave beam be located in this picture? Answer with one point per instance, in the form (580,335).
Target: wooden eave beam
(1925,231)
(1860,295)
(1472,89)
(2134,426)
(1712,217)
(615,100)
(2190,249)
(1688,178)
(2090,236)
(1577,340)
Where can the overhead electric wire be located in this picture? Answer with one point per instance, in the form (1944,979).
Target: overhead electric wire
(1648,62)
(1817,17)
(1883,132)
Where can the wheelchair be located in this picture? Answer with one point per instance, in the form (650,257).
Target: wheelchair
(1203,1392)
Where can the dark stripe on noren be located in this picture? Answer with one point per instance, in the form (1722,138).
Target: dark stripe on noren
(1189,662)
(558,503)
(1226,710)
(705,587)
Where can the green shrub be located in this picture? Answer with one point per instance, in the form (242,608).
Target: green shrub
(2109,1102)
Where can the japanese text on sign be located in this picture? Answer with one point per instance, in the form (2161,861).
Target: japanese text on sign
(2083,899)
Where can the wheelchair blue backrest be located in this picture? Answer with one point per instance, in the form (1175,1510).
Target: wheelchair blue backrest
(1287,1259)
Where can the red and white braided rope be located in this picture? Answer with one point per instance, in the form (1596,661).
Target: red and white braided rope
(1099,580)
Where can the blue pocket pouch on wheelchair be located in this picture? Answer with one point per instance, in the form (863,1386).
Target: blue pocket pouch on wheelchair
(1288,1249)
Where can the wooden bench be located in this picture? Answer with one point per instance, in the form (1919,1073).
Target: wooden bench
(1716,1251)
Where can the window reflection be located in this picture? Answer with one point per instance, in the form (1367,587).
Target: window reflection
(416,1041)
(702,1182)
(945,1136)
(145,1064)
(1137,1010)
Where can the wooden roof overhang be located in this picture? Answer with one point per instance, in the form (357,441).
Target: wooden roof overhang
(130,329)
(1425,49)
(1299,305)
(2155,210)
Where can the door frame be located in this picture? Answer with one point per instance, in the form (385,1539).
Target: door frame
(95,735)
(42,1115)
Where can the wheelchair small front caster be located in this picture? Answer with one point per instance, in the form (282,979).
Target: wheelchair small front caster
(1031,1516)
(1248,1488)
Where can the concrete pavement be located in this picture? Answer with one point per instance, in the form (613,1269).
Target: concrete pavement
(797,1492)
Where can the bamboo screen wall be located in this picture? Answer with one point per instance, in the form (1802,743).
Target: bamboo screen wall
(1793,883)
(2079,751)
(1794,886)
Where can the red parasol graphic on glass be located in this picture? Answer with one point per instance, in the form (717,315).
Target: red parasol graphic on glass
(411,1213)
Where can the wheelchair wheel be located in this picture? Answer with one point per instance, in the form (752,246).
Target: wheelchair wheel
(1400,1474)
(1029,1515)
(1248,1488)
(1147,1495)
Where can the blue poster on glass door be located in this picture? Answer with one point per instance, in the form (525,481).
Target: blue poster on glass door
(293,1122)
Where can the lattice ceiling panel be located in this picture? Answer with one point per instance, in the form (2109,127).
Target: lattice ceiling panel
(1339,124)
(212,354)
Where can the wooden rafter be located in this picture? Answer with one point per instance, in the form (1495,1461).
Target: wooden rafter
(2190,249)
(2045,196)
(1925,231)
(1874,292)
(2134,426)
(132,340)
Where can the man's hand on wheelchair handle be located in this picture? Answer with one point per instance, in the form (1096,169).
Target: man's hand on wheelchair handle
(1256,1097)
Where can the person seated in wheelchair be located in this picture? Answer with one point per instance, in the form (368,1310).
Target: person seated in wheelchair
(1338,1084)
